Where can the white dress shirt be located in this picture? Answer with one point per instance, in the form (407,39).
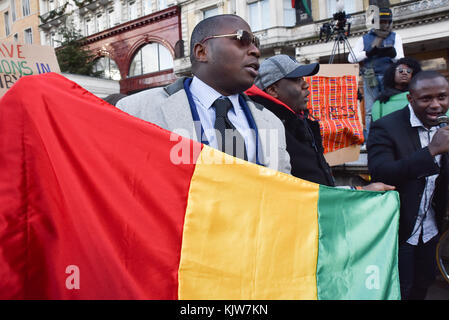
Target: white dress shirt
(204,96)
(425,223)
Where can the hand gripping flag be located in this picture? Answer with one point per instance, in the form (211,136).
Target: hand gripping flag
(95,204)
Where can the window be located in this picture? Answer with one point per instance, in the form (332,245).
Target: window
(162,4)
(132,10)
(16,37)
(152,57)
(51,5)
(26,7)
(434,64)
(210,12)
(87,23)
(7,26)
(53,40)
(100,24)
(13,10)
(28,36)
(289,14)
(90,26)
(111,18)
(349,7)
(147,8)
(259,15)
(108,68)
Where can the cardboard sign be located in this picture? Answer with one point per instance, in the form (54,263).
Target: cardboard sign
(18,60)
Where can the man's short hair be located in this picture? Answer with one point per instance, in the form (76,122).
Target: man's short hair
(206,28)
(424,75)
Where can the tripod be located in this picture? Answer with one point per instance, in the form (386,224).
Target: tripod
(341,39)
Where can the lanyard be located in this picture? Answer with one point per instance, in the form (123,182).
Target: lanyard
(199,127)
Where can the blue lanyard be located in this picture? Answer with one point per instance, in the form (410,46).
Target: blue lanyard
(199,127)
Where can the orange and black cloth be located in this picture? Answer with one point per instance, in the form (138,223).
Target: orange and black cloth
(333,101)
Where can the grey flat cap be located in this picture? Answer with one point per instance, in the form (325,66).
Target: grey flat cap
(282,66)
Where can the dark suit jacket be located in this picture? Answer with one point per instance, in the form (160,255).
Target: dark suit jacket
(395,157)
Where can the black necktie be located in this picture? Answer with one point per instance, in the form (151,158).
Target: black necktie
(232,141)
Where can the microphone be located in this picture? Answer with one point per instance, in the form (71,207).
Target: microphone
(442,121)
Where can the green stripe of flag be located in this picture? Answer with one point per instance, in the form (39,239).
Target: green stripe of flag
(358,244)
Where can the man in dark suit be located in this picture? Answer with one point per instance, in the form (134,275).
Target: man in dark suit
(408,150)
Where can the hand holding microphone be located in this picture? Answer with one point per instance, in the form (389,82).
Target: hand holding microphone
(442,121)
(440,141)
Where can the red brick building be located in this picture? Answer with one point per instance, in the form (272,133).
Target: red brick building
(142,49)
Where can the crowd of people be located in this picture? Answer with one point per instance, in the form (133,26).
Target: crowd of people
(232,99)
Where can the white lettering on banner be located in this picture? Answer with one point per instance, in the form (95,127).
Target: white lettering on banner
(372,282)
(73,280)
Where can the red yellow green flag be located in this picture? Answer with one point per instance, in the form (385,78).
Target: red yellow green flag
(95,204)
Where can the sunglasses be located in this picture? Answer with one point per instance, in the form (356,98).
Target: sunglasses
(246,38)
(400,70)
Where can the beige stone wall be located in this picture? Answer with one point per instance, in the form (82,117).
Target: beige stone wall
(22,23)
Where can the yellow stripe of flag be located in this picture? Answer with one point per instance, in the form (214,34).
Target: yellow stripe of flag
(254,214)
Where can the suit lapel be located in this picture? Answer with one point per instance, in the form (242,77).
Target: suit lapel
(261,123)
(178,115)
(411,131)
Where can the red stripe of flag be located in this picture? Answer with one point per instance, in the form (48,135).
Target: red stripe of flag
(86,190)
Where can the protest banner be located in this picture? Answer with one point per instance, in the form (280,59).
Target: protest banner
(333,101)
(18,60)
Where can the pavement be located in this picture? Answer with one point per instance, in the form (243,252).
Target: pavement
(439,290)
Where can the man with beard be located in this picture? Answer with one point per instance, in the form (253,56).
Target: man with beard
(211,107)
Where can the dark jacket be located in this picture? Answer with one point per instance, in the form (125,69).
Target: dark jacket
(395,157)
(379,63)
(304,142)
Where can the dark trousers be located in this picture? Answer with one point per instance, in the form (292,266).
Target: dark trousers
(417,268)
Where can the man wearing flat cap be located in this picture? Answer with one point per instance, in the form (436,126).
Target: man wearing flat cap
(376,51)
(280,87)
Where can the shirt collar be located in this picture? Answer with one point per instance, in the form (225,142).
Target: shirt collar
(207,95)
(415,122)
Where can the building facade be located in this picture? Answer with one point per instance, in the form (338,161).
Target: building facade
(422,24)
(145,43)
(133,40)
(19,21)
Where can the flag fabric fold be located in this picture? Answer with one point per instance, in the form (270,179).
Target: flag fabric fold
(97,204)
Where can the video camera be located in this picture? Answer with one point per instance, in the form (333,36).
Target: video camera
(338,25)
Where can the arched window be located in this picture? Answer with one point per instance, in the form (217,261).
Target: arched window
(152,57)
(108,68)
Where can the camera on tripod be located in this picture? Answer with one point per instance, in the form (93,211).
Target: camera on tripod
(337,26)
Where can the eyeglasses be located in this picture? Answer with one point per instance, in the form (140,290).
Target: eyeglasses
(400,70)
(245,38)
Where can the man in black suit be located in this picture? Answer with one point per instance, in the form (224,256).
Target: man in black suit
(408,150)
